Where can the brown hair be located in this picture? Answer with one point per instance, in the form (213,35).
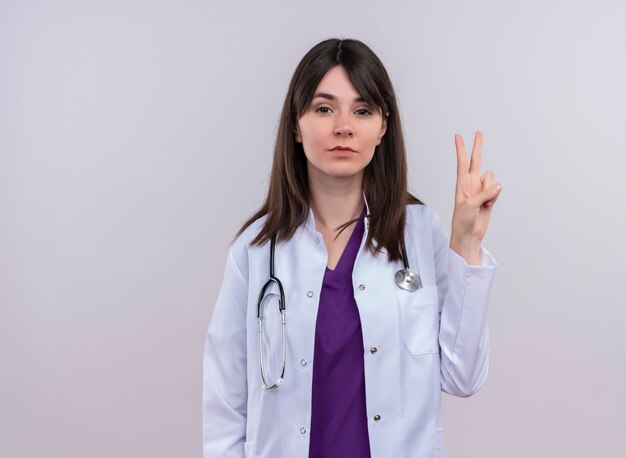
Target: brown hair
(385,181)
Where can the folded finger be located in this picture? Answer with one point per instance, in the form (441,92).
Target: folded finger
(491,202)
(488,179)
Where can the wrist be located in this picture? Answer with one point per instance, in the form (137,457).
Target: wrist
(468,248)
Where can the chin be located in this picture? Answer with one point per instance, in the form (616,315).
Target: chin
(347,172)
(337,169)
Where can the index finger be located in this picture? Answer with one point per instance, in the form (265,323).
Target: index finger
(477,153)
(461,155)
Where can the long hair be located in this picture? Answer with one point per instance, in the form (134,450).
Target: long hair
(385,183)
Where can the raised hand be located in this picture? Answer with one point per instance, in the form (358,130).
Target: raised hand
(474,200)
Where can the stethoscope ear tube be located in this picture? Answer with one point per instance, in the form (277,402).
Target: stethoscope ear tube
(280,379)
(281,307)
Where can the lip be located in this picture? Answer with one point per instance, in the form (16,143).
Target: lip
(342,148)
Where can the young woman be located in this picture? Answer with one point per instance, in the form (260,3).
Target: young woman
(381,311)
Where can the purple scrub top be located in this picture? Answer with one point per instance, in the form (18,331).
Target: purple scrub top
(339,414)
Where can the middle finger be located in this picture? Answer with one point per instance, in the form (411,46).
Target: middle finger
(477,153)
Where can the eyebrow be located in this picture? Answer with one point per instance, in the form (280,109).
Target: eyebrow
(324,95)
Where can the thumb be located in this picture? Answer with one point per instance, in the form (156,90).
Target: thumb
(490,193)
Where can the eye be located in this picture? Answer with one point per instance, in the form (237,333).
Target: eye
(364,112)
(322,110)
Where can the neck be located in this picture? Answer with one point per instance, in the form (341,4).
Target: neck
(335,202)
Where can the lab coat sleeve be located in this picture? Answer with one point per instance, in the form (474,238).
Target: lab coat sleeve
(464,292)
(224,374)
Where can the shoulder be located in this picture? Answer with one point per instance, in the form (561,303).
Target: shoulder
(248,235)
(424,219)
(418,214)
(242,247)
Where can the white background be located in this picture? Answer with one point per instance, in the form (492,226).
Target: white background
(136,137)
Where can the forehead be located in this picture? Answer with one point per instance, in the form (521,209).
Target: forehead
(336,82)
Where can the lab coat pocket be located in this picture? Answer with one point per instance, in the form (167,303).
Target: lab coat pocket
(249,449)
(419,319)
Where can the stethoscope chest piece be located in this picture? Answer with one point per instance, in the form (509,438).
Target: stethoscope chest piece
(407,280)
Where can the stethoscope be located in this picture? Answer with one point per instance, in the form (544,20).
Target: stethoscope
(405,278)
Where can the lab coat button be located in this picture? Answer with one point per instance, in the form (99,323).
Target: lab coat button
(303,362)
(309,294)
(361,287)
(303,430)
(373,350)
(376,417)
(317,240)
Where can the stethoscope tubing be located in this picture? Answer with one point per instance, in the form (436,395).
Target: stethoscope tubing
(273,280)
(405,279)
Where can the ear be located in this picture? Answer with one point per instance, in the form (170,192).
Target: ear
(296,134)
(383,129)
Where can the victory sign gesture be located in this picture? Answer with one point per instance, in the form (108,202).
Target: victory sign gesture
(474,199)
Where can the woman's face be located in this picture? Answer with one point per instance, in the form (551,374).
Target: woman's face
(339,131)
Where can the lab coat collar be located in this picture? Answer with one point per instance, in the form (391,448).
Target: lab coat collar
(367,207)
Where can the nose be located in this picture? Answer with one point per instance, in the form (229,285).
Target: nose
(343,127)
